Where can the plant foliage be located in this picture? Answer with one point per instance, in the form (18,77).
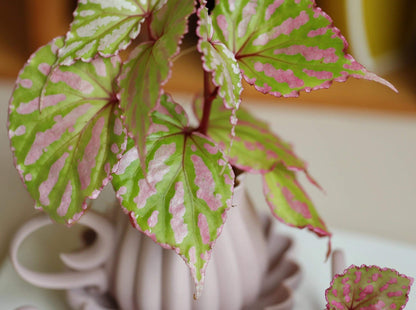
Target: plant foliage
(80,116)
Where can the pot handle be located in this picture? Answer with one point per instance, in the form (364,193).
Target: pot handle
(88,264)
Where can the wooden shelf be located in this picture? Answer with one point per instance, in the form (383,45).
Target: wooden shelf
(33,23)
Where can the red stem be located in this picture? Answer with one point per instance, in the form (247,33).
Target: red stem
(147,35)
(209,97)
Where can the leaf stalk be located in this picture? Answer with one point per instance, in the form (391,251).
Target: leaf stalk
(209,96)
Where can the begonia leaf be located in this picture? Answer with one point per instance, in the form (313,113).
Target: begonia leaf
(255,148)
(104,27)
(219,60)
(182,202)
(66,152)
(368,287)
(285,46)
(289,202)
(148,68)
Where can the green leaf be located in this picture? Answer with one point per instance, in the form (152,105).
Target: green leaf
(285,46)
(219,60)
(183,201)
(289,202)
(255,148)
(104,27)
(368,287)
(149,67)
(66,152)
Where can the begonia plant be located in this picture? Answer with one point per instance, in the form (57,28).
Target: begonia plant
(81,116)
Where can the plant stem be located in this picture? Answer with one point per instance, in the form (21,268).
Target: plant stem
(146,34)
(209,97)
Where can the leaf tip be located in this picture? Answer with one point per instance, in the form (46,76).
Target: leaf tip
(198,290)
(374,77)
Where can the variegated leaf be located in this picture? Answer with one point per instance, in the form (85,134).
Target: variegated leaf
(148,68)
(219,60)
(66,152)
(255,148)
(285,46)
(368,287)
(183,201)
(104,27)
(289,202)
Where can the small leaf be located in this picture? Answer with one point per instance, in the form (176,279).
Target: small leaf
(65,153)
(289,202)
(104,27)
(284,47)
(219,60)
(368,287)
(183,201)
(149,66)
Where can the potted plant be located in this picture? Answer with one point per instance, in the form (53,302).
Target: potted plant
(81,116)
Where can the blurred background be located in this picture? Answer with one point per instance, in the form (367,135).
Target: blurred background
(382,35)
(358,136)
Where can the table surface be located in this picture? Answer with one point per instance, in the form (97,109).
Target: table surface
(364,161)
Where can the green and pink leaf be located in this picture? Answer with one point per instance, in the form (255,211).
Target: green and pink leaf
(220,61)
(256,149)
(283,47)
(66,153)
(104,27)
(182,203)
(149,66)
(289,202)
(368,287)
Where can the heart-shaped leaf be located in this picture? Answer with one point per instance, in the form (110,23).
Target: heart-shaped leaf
(289,202)
(183,201)
(219,60)
(368,287)
(148,68)
(104,27)
(284,47)
(66,152)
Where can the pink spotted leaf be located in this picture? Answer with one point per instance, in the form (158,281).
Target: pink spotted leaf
(368,287)
(289,202)
(255,148)
(182,203)
(104,27)
(285,46)
(148,68)
(66,153)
